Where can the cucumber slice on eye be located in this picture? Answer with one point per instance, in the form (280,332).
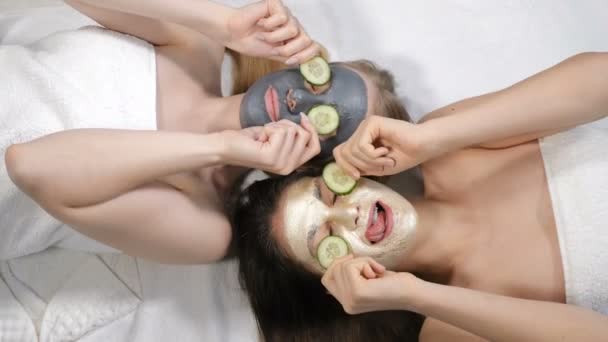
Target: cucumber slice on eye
(324,118)
(331,248)
(336,180)
(316,71)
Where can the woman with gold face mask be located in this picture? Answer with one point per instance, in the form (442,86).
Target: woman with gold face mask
(507,243)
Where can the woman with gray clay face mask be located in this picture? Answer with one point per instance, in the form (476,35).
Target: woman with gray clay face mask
(158,193)
(507,243)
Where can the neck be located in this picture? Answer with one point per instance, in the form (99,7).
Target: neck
(216,114)
(443,238)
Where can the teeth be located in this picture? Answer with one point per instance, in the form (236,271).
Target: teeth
(375,214)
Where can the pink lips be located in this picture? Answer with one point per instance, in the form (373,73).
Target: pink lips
(271,100)
(382,226)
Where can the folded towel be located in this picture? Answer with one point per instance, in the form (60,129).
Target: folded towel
(577,174)
(90,77)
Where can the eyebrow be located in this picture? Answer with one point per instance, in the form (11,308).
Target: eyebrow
(310,237)
(315,228)
(317,190)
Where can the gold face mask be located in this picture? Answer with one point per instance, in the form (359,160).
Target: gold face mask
(374,220)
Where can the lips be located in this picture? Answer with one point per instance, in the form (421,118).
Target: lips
(271,100)
(380,222)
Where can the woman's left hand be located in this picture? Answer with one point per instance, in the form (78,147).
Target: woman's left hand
(363,285)
(268,29)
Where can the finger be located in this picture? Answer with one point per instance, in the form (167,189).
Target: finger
(280,125)
(368,272)
(273,22)
(345,165)
(288,145)
(305,55)
(252,14)
(314,143)
(286,32)
(376,266)
(375,163)
(295,45)
(373,152)
(362,166)
(253,132)
(262,137)
(329,277)
(335,264)
(274,144)
(276,7)
(295,157)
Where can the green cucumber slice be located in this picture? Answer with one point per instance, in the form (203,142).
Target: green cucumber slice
(324,118)
(336,180)
(330,249)
(316,71)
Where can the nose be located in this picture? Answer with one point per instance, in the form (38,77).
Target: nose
(301,100)
(345,217)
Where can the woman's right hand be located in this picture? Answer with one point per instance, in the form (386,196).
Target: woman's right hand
(268,29)
(279,147)
(361,285)
(383,146)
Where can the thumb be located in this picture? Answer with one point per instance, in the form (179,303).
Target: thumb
(252,13)
(275,6)
(253,132)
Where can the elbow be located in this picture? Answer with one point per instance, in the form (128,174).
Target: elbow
(20,170)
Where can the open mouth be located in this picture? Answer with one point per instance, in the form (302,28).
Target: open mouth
(271,100)
(380,222)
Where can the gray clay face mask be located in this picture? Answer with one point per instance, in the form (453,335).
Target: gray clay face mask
(284,94)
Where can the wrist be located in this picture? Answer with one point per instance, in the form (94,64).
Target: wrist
(443,135)
(224,147)
(413,292)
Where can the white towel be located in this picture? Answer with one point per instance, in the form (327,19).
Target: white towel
(85,78)
(577,174)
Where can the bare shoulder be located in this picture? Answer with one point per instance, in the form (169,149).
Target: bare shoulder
(186,75)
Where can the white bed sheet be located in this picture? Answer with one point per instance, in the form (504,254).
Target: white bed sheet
(439,50)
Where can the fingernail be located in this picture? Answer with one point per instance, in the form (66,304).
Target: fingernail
(304,117)
(292,60)
(260,36)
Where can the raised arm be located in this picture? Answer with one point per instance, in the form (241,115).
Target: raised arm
(568,94)
(110,184)
(262,29)
(571,93)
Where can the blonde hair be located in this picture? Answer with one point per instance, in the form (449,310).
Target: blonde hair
(247,70)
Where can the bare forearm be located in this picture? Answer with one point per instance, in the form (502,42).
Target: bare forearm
(204,16)
(571,93)
(87,166)
(501,318)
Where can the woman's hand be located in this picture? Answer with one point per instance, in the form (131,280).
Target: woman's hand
(268,29)
(279,147)
(363,285)
(383,146)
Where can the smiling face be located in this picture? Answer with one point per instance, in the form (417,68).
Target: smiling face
(374,220)
(284,94)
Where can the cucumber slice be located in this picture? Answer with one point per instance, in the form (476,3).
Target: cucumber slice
(316,71)
(324,118)
(331,248)
(336,180)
